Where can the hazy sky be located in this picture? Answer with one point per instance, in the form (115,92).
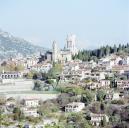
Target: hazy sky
(94,22)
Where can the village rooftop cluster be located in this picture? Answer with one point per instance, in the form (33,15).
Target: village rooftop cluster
(52,90)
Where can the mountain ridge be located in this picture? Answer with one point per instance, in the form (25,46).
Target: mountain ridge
(10,46)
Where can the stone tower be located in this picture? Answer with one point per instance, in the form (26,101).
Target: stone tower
(71,44)
(55,52)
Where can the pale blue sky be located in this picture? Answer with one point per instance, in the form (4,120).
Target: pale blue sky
(95,22)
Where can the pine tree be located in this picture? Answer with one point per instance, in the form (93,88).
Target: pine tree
(107,50)
(114,49)
(87,55)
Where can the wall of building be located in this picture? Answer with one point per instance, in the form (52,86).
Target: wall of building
(11,85)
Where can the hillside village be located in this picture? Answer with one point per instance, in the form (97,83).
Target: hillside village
(55,91)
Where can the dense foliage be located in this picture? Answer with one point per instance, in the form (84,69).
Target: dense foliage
(87,55)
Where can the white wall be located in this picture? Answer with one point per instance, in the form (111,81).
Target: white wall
(17,85)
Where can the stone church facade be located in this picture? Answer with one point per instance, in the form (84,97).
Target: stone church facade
(64,55)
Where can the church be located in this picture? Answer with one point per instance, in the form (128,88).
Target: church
(61,55)
(64,55)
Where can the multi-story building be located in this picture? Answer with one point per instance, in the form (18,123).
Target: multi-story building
(45,67)
(105,83)
(10,75)
(95,75)
(122,84)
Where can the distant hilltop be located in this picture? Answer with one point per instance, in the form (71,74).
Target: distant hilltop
(11,46)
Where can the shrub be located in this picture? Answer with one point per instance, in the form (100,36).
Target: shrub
(119,102)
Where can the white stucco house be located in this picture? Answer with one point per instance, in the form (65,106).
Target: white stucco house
(42,67)
(97,118)
(115,96)
(105,83)
(122,84)
(28,112)
(97,75)
(74,107)
(31,103)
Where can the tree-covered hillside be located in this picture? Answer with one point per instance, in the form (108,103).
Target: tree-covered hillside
(87,55)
